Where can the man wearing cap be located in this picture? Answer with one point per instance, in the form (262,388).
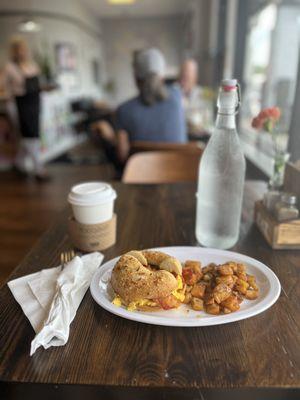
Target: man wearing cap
(156,114)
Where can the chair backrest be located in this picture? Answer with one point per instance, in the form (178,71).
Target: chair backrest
(138,146)
(161,167)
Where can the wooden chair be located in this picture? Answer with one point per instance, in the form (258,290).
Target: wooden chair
(161,167)
(139,146)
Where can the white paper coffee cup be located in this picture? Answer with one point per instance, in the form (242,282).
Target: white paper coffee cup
(92,202)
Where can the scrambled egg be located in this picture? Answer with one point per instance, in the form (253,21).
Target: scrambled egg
(117,301)
(145,302)
(177,292)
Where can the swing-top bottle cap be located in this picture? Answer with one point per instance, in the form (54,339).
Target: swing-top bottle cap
(229,84)
(229,97)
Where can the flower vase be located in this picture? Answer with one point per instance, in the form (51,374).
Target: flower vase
(279,161)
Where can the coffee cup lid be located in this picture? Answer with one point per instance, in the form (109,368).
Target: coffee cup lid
(91,193)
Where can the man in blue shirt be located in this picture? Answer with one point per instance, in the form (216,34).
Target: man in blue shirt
(156,114)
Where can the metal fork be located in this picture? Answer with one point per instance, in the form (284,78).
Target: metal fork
(65,257)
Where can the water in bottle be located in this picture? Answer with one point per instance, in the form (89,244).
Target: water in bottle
(221,176)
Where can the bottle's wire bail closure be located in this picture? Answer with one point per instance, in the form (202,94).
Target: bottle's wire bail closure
(237,108)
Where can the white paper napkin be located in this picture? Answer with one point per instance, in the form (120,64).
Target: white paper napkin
(51,297)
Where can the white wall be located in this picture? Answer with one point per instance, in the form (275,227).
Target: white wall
(87,41)
(122,36)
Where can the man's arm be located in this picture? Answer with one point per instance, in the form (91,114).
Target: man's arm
(123,145)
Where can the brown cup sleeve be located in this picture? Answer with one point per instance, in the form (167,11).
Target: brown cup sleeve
(95,237)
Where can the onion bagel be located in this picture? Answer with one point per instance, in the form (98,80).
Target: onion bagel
(147,280)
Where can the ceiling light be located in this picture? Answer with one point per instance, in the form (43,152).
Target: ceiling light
(121,2)
(29,25)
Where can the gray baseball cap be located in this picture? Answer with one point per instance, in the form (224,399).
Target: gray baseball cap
(149,61)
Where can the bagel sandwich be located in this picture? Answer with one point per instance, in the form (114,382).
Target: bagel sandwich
(147,281)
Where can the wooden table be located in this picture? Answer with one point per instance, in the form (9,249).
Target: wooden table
(107,357)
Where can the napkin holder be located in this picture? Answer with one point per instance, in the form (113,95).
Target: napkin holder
(94,237)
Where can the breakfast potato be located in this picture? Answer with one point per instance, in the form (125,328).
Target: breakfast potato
(221,292)
(225,269)
(252,282)
(207,277)
(209,268)
(198,290)
(192,272)
(187,298)
(251,294)
(213,309)
(209,298)
(226,279)
(226,310)
(241,286)
(240,268)
(231,303)
(197,304)
(238,295)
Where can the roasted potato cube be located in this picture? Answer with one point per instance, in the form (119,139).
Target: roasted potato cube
(187,298)
(226,310)
(239,296)
(242,276)
(252,282)
(227,279)
(231,303)
(241,268)
(198,290)
(192,272)
(213,309)
(225,269)
(241,286)
(251,294)
(233,266)
(197,304)
(207,277)
(194,265)
(209,268)
(221,292)
(209,298)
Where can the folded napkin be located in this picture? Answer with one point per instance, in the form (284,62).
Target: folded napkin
(51,297)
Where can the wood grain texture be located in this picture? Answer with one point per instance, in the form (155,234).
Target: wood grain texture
(27,207)
(110,352)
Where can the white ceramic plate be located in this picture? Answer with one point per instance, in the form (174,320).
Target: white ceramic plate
(184,316)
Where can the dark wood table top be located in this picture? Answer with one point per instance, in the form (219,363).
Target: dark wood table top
(122,357)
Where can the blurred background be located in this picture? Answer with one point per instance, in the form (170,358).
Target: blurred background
(83,50)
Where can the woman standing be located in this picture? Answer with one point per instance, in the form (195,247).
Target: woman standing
(22,83)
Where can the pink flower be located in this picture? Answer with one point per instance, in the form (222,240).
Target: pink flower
(266,119)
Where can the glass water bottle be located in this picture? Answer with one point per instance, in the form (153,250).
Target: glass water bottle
(221,176)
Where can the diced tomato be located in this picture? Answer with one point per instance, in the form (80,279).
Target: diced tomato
(168,302)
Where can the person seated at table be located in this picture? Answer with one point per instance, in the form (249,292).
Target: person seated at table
(156,114)
(191,92)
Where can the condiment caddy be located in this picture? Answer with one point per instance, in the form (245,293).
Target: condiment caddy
(277,215)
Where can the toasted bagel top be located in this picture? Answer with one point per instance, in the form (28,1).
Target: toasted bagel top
(133,281)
